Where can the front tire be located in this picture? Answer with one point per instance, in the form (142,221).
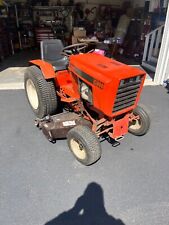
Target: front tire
(40,93)
(141,126)
(84,145)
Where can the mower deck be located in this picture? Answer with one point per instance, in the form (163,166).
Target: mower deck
(57,126)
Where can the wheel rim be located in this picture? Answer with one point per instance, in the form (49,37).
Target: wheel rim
(78,149)
(135,124)
(32,94)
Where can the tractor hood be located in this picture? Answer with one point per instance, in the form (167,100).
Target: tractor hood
(93,65)
(115,87)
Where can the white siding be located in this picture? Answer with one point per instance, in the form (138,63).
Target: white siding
(162,70)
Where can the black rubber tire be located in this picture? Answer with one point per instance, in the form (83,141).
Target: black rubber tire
(45,91)
(144,122)
(90,142)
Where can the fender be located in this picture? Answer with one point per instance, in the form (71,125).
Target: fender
(46,68)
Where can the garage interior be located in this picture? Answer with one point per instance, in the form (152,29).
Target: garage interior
(116,28)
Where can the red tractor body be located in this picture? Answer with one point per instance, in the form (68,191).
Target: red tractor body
(98,92)
(116,87)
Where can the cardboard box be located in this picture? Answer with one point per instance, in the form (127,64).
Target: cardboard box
(74,40)
(79,32)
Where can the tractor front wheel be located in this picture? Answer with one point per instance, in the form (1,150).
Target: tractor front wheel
(84,145)
(40,93)
(141,125)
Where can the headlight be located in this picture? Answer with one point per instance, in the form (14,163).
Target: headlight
(85,92)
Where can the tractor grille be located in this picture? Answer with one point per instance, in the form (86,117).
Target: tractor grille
(127,93)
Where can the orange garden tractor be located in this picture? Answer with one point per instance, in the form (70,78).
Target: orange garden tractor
(84,96)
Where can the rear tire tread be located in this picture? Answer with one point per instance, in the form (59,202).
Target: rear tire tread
(45,90)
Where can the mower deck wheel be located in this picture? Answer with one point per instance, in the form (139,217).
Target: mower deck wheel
(84,145)
(140,126)
(41,93)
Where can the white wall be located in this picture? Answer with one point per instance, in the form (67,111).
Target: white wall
(162,70)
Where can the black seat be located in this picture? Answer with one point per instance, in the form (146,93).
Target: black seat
(51,52)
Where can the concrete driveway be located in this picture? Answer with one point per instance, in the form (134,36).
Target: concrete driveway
(42,184)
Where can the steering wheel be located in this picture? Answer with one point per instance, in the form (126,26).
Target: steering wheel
(74,49)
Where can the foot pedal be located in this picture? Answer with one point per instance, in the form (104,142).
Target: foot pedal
(119,138)
(113,142)
(116,143)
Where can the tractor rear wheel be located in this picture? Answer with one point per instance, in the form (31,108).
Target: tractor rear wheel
(140,126)
(40,93)
(84,145)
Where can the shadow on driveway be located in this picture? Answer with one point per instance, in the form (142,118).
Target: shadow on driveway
(88,210)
